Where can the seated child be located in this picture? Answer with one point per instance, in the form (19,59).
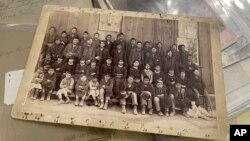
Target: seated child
(81,89)
(66,87)
(160,97)
(94,89)
(128,90)
(36,86)
(146,94)
(106,91)
(48,84)
(199,112)
(182,101)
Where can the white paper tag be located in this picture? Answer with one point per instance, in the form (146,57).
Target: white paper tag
(12,82)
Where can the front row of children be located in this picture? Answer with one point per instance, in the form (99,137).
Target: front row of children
(164,100)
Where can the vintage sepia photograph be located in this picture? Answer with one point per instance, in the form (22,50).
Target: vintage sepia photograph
(125,70)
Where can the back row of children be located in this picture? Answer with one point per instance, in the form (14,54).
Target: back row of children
(73,65)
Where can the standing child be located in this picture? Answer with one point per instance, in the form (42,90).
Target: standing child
(36,86)
(119,54)
(106,91)
(88,51)
(58,67)
(48,84)
(66,86)
(146,94)
(81,89)
(85,37)
(119,73)
(108,42)
(96,40)
(147,73)
(94,89)
(73,34)
(63,38)
(56,49)
(101,53)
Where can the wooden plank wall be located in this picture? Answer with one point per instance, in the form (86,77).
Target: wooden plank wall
(153,30)
(83,21)
(205,53)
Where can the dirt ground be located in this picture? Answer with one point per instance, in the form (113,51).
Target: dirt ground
(115,112)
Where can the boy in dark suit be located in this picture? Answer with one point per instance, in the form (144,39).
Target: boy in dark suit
(48,84)
(170,79)
(88,51)
(85,37)
(189,67)
(108,42)
(81,69)
(146,94)
(93,70)
(72,50)
(106,91)
(119,54)
(49,40)
(46,63)
(160,97)
(136,54)
(101,53)
(96,40)
(170,63)
(135,71)
(81,89)
(130,91)
(58,67)
(73,34)
(64,38)
(198,86)
(56,49)
(158,75)
(183,54)
(119,73)
(119,41)
(106,68)
(69,67)
(153,58)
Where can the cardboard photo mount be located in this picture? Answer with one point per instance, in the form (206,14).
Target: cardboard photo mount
(221,132)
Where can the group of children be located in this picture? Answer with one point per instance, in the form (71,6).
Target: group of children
(142,74)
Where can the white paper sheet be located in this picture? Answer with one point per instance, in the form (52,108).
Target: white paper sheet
(12,82)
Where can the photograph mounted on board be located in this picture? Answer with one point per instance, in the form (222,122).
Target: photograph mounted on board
(124,70)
